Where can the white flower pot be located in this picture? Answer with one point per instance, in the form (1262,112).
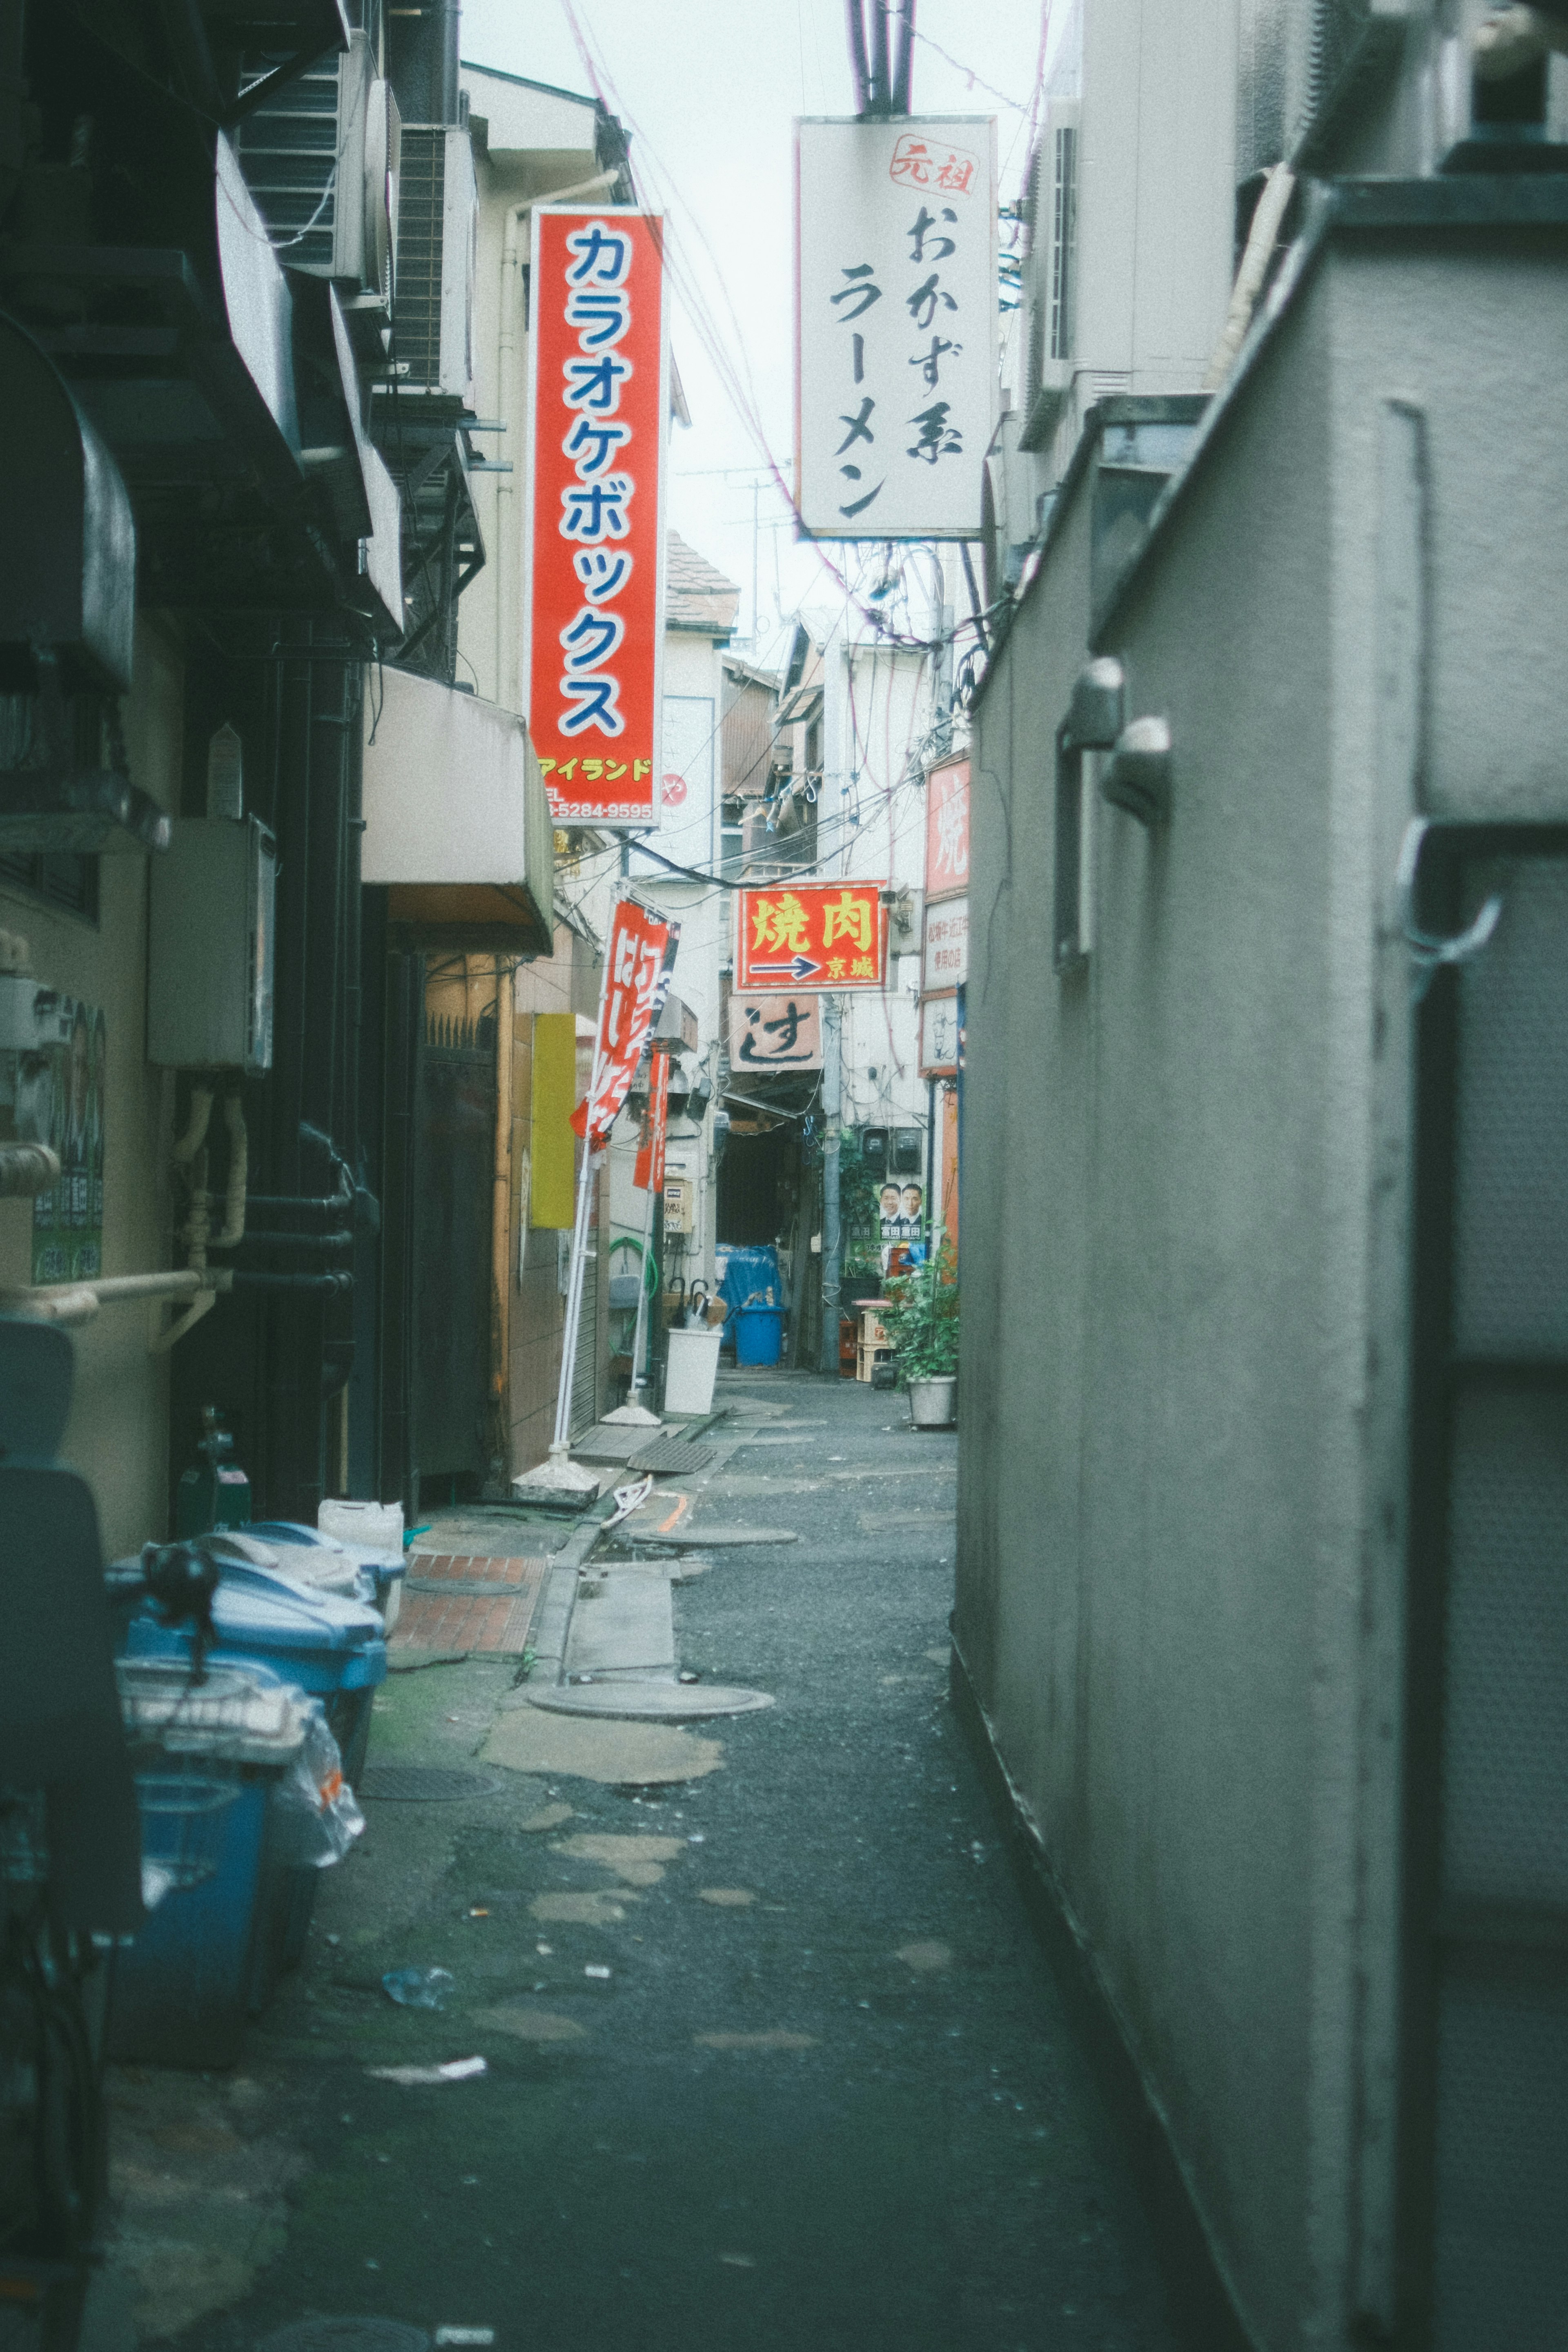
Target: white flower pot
(932,1402)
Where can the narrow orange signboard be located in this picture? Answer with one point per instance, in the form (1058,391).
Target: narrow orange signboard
(811,937)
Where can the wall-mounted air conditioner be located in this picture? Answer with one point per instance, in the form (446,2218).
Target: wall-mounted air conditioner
(437,229)
(1049,273)
(322,158)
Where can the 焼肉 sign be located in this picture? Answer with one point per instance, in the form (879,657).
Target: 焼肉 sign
(810,936)
(895,325)
(595,560)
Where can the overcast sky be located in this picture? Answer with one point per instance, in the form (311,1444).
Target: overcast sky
(709,89)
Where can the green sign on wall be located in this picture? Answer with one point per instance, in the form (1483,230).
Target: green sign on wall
(60,1102)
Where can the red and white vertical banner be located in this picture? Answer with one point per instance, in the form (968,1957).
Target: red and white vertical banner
(648,1173)
(639,956)
(598,398)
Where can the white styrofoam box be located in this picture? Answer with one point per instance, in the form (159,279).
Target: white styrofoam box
(691,1371)
(375,1529)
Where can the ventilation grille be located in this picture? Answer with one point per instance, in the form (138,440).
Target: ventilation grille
(288,150)
(1337,28)
(1050,273)
(417,310)
(1064,240)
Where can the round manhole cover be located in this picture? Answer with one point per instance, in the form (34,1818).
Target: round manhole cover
(420,1784)
(346,2335)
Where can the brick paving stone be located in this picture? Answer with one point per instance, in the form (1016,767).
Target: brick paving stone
(497,1624)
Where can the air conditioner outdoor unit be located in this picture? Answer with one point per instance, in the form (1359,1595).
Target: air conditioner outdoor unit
(322,158)
(437,229)
(1049,273)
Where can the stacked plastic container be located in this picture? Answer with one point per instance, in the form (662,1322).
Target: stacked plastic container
(183,1989)
(294,1612)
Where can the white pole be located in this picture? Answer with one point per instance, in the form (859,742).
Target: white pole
(637,1379)
(573,1299)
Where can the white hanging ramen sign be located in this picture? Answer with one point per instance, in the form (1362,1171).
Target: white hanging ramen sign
(895,326)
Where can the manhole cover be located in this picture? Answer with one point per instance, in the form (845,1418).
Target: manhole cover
(346,2335)
(413,1784)
(651,1702)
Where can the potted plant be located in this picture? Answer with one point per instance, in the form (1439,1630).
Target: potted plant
(921,1319)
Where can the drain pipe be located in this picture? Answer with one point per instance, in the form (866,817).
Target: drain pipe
(78,1302)
(233,1227)
(508,549)
(26,1169)
(1259,251)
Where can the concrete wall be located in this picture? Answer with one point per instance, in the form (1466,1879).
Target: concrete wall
(118,1433)
(1181,1485)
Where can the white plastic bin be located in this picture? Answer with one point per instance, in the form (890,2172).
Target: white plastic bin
(690,1373)
(369,1527)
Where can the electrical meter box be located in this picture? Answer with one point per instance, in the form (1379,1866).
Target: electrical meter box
(678,1205)
(210,979)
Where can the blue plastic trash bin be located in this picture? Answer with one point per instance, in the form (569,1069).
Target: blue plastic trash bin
(381,1575)
(333,1650)
(330,1646)
(759,1335)
(180,1993)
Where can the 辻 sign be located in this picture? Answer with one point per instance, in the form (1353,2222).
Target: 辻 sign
(895,325)
(810,936)
(595,538)
(776,1032)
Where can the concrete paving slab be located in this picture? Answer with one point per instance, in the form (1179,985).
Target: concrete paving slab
(721,1539)
(609,1442)
(624,1619)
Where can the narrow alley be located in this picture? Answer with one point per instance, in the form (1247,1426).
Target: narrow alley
(771,2056)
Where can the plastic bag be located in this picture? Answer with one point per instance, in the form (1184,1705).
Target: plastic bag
(315,1814)
(418,1988)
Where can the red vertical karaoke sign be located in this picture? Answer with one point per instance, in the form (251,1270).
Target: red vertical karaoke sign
(594,558)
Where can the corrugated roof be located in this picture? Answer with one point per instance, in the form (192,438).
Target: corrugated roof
(697,595)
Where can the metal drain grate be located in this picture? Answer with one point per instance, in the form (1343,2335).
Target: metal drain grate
(346,2335)
(670,1455)
(419,1784)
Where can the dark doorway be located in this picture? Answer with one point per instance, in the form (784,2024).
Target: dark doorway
(758,1178)
(455,1182)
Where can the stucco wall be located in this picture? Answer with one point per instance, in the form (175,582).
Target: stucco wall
(1185,1169)
(118,1432)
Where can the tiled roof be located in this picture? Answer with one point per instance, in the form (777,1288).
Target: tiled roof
(697,596)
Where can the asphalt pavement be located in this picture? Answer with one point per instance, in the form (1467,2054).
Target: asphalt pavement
(772,2057)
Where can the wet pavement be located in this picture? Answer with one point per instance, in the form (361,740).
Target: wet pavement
(773,2058)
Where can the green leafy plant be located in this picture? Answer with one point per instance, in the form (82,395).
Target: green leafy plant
(920,1321)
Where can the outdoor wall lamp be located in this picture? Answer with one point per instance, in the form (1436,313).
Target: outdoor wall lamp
(1137,776)
(1099,706)
(1096,710)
